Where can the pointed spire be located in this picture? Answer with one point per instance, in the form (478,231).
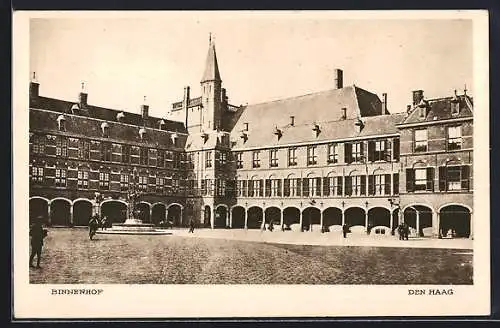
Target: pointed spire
(211,67)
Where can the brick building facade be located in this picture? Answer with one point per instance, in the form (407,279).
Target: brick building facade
(320,160)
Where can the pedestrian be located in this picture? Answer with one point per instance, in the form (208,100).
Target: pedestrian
(271,226)
(345,230)
(104,222)
(93,226)
(37,233)
(406,230)
(191,226)
(400,231)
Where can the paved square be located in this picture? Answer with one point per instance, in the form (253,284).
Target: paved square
(70,257)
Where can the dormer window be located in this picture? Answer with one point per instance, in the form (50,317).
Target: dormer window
(278,133)
(455,104)
(244,136)
(61,123)
(359,125)
(161,124)
(245,126)
(120,116)
(343,113)
(105,129)
(74,109)
(204,136)
(316,129)
(142,133)
(174,137)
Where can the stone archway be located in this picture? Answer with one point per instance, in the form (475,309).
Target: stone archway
(310,216)
(238,217)
(332,217)
(82,211)
(418,217)
(220,217)
(255,217)
(158,213)
(272,214)
(174,215)
(291,216)
(143,213)
(455,221)
(39,207)
(355,219)
(115,211)
(60,212)
(207,216)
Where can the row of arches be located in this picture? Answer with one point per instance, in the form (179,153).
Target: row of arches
(63,212)
(451,219)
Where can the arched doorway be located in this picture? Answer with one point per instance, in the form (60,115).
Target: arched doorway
(39,207)
(272,214)
(332,217)
(379,217)
(143,213)
(418,215)
(82,211)
(310,216)
(115,211)
(60,212)
(158,213)
(207,216)
(291,216)
(255,217)
(355,219)
(175,215)
(455,221)
(238,217)
(220,217)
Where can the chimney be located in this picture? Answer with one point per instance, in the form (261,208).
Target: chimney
(292,120)
(384,103)
(408,108)
(82,97)
(418,95)
(34,88)
(145,110)
(339,79)
(185,103)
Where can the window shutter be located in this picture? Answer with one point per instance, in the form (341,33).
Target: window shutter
(286,188)
(371,151)
(278,192)
(465,177)
(261,187)
(348,185)
(371,185)
(347,153)
(340,188)
(268,188)
(430,179)
(395,183)
(395,149)
(387,150)
(387,187)
(299,187)
(305,187)
(326,186)
(362,149)
(442,178)
(363,185)
(410,180)
(318,186)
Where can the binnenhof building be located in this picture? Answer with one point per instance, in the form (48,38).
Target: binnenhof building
(318,160)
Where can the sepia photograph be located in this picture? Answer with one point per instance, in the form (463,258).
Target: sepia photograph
(284,161)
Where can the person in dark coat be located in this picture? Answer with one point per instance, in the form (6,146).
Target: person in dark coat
(93,226)
(345,230)
(191,226)
(401,232)
(37,233)
(406,231)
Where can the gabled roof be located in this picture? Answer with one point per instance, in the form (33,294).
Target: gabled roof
(211,67)
(106,114)
(323,108)
(440,109)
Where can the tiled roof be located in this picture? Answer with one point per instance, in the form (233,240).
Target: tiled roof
(440,109)
(323,108)
(92,128)
(212,139)
(263,136)
(107,114)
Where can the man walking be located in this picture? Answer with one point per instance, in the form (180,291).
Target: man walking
(37,234)
(345,230)
(191,226)
(93,226)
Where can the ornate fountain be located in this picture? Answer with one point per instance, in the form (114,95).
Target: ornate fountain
(133,224)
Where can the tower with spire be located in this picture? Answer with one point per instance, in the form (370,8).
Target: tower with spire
(211,92)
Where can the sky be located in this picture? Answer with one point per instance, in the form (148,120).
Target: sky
(262,57)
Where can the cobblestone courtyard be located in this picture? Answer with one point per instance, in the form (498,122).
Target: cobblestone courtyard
(70,257)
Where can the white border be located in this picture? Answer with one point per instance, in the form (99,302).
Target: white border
(128,301)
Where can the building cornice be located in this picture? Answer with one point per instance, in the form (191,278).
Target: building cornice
(460,119)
